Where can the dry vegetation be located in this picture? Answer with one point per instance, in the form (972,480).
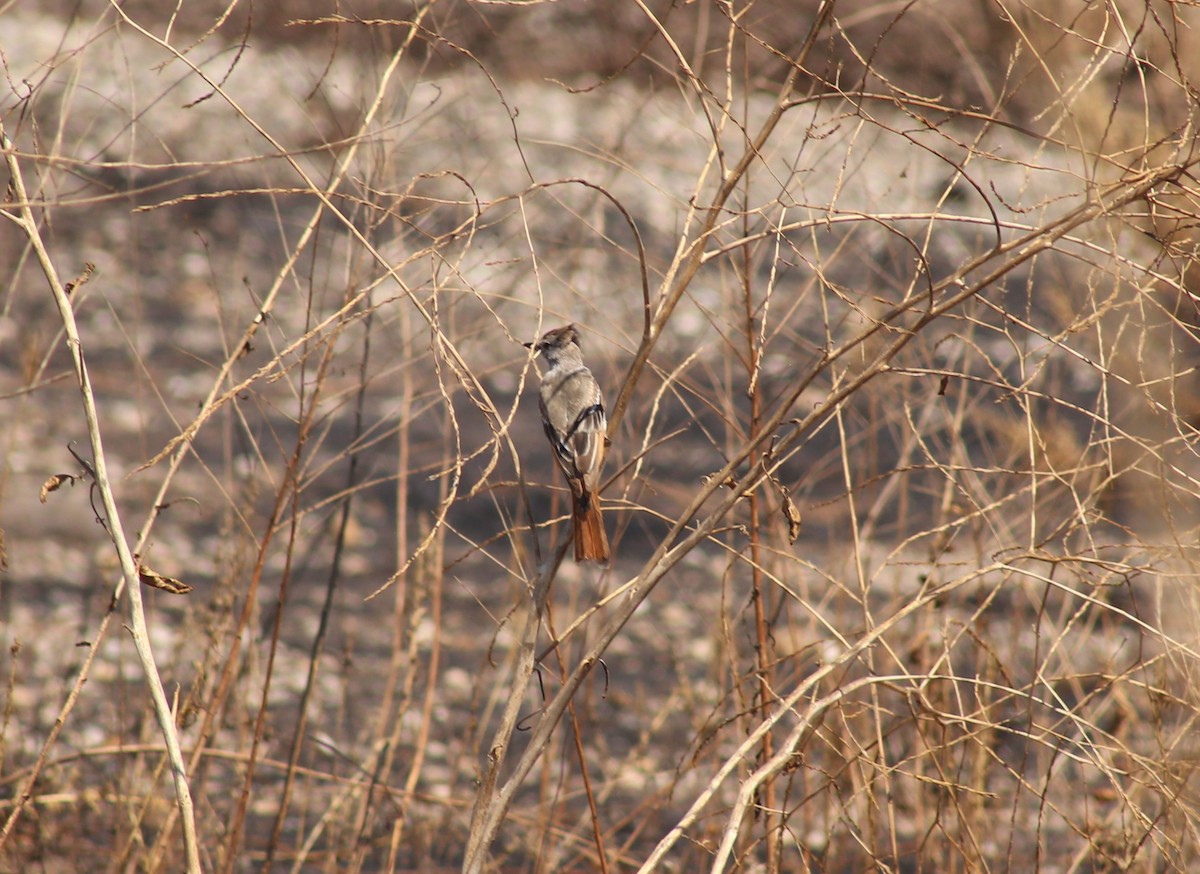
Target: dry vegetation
(895,309)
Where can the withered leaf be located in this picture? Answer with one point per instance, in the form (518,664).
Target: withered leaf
(157,581)
(54,484)
(792,513)
(89,270)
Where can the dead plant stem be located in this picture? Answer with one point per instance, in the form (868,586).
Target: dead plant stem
(25,220)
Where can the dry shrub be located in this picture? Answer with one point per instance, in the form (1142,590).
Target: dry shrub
(895,311)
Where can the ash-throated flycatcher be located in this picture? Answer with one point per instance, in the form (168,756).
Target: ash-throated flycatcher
(573,416)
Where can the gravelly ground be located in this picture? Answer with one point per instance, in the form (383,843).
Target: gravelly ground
(177,285)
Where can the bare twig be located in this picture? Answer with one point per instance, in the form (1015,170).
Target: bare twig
(25,220)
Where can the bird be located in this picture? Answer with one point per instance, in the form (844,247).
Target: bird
(573,417)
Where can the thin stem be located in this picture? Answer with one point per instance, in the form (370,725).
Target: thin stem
(112,521)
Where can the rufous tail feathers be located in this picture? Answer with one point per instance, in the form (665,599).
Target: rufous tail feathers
(591,541)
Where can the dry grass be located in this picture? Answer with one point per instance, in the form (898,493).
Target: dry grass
(895,311)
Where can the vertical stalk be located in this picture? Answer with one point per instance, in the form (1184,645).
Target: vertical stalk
(24,219)
(762,634)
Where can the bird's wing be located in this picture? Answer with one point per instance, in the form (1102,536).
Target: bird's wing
(586,439)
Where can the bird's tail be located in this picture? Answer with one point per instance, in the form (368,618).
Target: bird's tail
(591,541)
